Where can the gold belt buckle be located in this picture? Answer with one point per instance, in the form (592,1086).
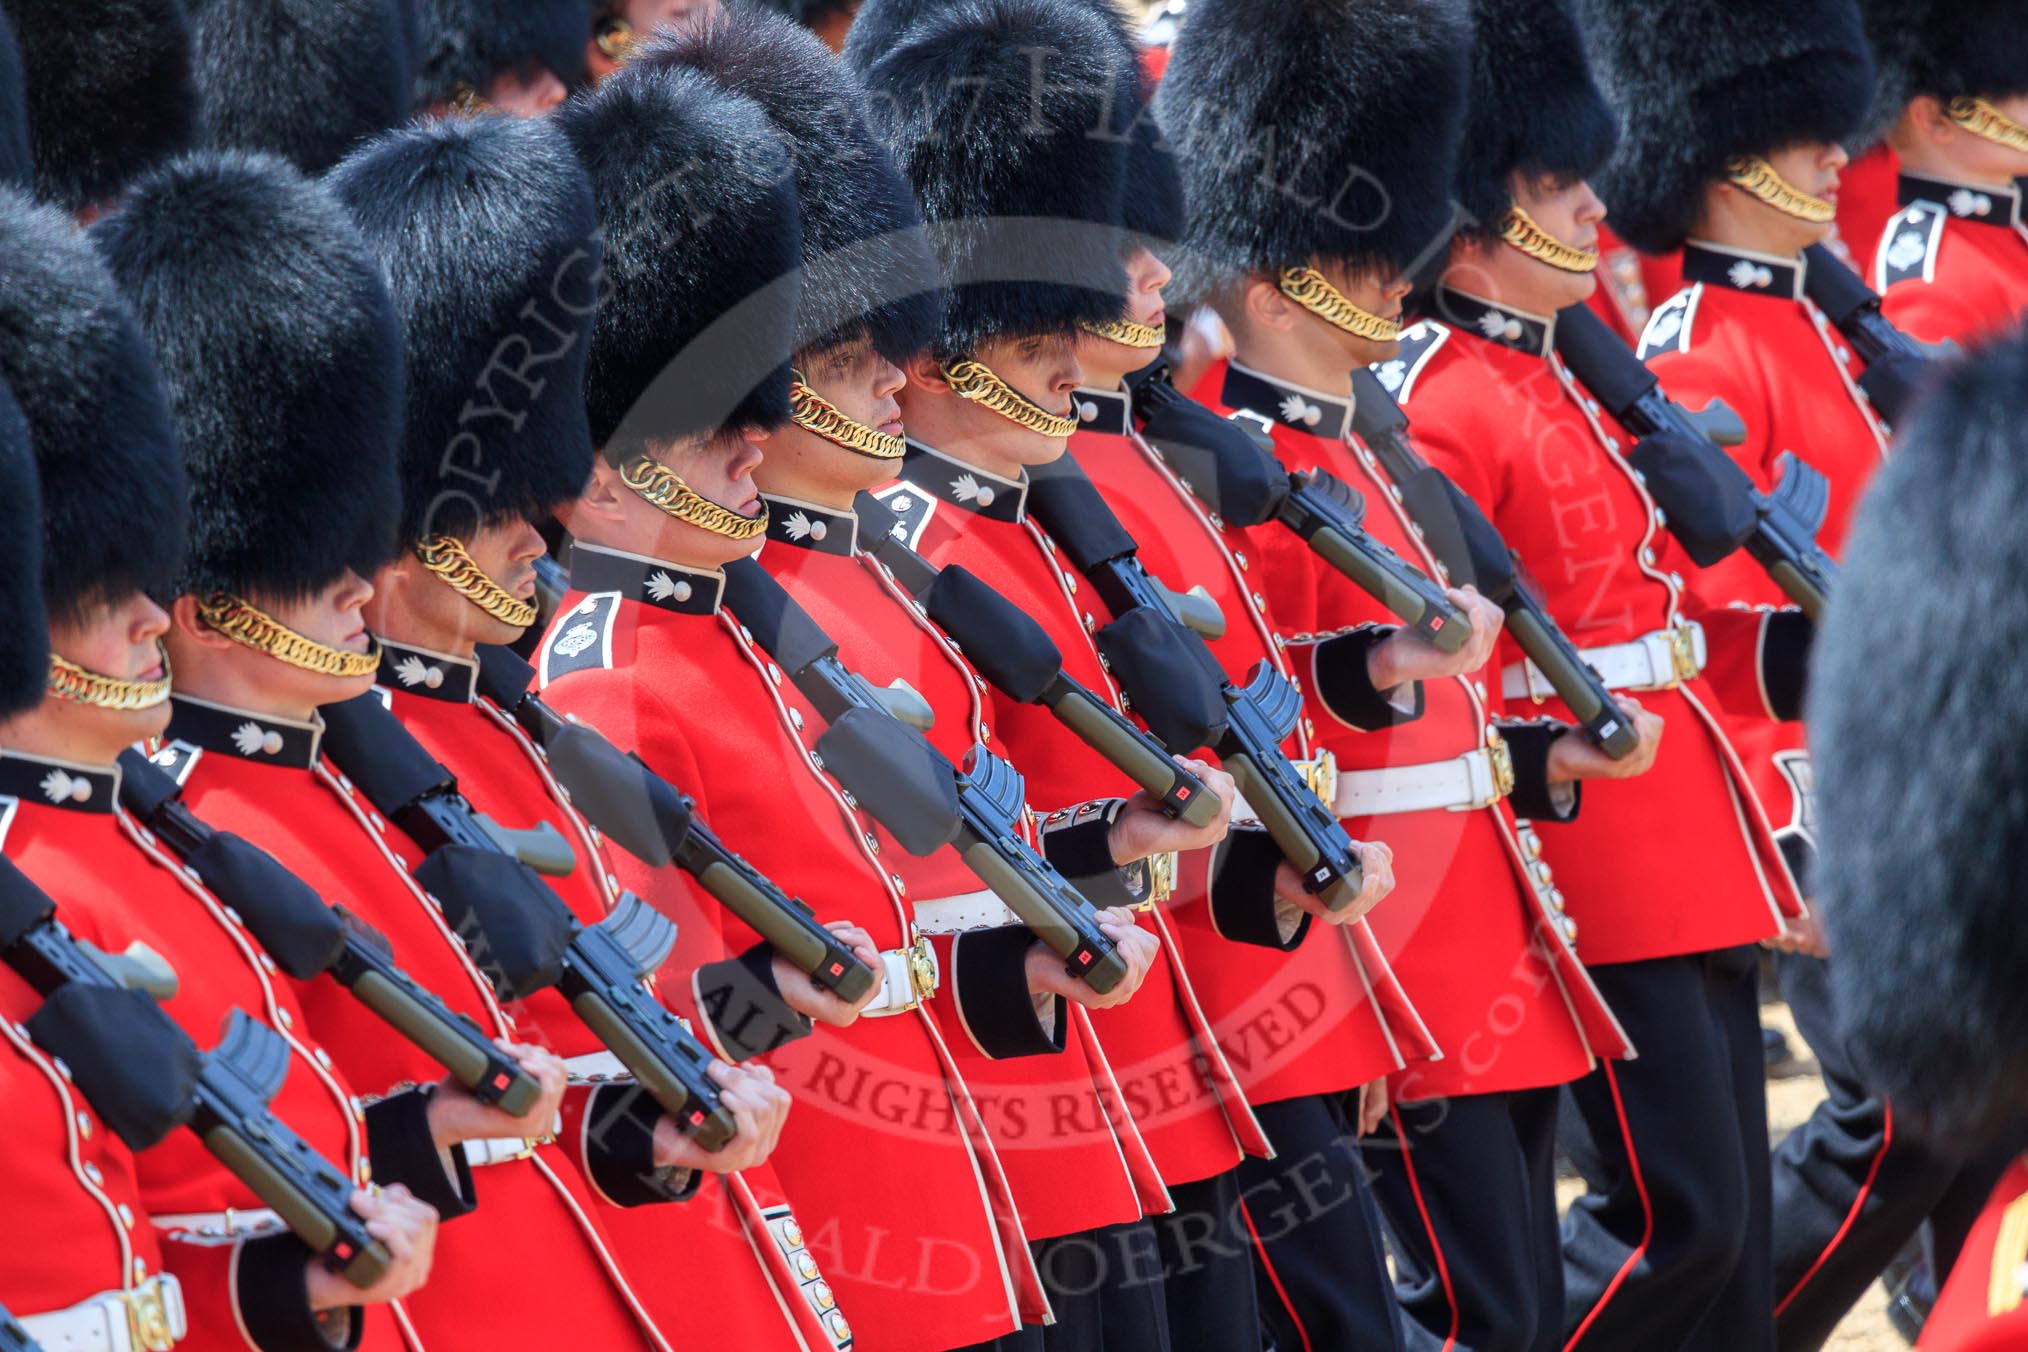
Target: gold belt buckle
(1683,653)
(148,1318)
(922,969)
(1320,772)
(1503,763)
(1161,878)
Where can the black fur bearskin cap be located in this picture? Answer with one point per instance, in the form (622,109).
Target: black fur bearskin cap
(470,42)
(17,159)
(1945,48)
(1922,869)
(998,112)
(867,264)
(1314,129)
(98,416)
(109,92)
(24,658)
(283,356)
(487,232)
(697,199)
(1151,206)
(1695,82)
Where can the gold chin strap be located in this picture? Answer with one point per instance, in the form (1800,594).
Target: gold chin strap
(250,626)
(975,381)
(616,38)
(1523,233)
(1125,332)
(1756,176)
(469,102)
(812,412)
(660,485)
(445,556)
(1310,289)
(1981,118)
(70,682)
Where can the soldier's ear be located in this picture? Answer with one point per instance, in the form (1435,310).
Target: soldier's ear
(600,500)
(924,372)
(1264,305)
(1926,118)
(187,626)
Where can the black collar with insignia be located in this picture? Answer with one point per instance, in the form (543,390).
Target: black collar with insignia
(1756,274)
(243,733)
(655,582)
(425,672)
(1980,204)
(1286,404)
(804,525)
(59,783)
(1107,411)
(964,486)
(1496,323)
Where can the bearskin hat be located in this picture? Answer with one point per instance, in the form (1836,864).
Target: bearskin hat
(486,229)
(1695,82)
(17,161)
(1151,205)
(24,658)
(997,110)
(867,263)
(1314,129)
(106,449)
(1947,49)
(109,92)
(282,352)
(470,42)
(1534,107)
(697,199)
(1932,969)
(303,79)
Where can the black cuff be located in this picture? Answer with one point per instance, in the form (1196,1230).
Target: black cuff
(989,981)
(619,1149)
(399,1145)
(1339,679)
(1534,797)
(738,998)
(1077,842)
(272,1284)
(1799,852)
(1785,643)
(1244,907)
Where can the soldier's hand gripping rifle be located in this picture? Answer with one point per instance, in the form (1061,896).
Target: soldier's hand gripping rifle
(307,939)
(923,800)
(1181,693)
(1226,467)
(1016,656)
(96,1013)
(1712,506)
(1898,368)
(519,931)
(1459,534)
(649,818)
(13,1337)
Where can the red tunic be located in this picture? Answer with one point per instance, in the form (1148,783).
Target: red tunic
(1328,1029)
(733,1285)
(114,886)
(1178,1084)
(534,1228)
(1465,928)
(1508,426)
(1984,1305)
(1953,261)
(884,1153)
(1631,284)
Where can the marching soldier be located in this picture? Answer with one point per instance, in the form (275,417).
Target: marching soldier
(1953,261)
(887,1156)
(872,293)
(235,264)
(1464,1163)
(518,56)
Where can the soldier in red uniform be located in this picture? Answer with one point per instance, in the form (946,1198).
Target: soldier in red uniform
(487,228)
(114,487)
(294,492)
(886,1156)
(872,291)
(517,56)
(1952,262)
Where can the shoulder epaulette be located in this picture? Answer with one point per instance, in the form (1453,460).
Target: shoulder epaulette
(912,508)
(1909,244)
(584,638)
(1419,342)
(1668,329)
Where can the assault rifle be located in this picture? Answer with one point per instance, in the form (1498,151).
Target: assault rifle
(13,1337)
(1897,366)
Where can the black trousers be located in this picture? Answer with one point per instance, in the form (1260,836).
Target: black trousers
(1105,1286)
(1851,1185)
(1207,1268)
(1670,1246)
(1467,1187)
(1320,1267)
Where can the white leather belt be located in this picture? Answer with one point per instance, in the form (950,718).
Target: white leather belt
(1320,772)
(148,1318)
(221,1224)
(908,976)
(1661,660)
(1476,779)
(502,1150)
(956,915)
